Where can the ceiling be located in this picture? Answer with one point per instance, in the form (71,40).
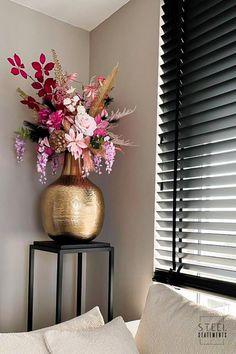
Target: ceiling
(86,14)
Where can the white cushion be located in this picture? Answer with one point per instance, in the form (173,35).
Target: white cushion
(33,342)
(113,338)
(133,327)
(171,324)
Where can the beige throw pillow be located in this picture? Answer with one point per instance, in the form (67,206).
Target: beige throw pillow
(171,324)
(33,342)
(113,338)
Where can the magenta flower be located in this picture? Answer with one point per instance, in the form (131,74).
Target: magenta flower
(18,66)
(101,127)
(55,120)
(76,143)
(44,116)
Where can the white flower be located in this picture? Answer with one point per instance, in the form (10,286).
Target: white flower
(67,101)
(71,108)
(75,99)
(71,90)
(71,103)
(81,109)
(85,123)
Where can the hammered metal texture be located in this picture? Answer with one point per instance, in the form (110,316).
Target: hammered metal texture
(72,207)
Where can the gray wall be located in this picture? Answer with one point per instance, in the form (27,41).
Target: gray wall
(28,33)
(129,37)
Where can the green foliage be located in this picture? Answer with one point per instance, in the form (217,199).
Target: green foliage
(24,133)
(96,142)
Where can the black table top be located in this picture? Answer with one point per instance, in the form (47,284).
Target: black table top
(71,245)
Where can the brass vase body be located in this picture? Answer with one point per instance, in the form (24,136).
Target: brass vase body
(72,207)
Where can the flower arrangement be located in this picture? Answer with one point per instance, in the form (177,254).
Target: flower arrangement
(68,120)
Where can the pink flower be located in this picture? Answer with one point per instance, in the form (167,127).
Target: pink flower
(91,91)
(18,66)
(55,120)
(101,126)
(84,122)
(76,143)
(44,116)
(100,80)
(71,77)
(104,113)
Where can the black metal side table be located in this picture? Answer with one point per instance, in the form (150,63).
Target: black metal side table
(60,250)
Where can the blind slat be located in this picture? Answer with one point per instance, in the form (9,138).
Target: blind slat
(196,166)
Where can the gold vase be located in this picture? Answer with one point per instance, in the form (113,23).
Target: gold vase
(72,207)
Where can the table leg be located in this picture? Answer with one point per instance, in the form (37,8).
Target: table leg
(110,286)
(30,289)
(79,283)
(59,286)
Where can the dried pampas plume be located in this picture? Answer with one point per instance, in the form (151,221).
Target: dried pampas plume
(115,116)
(118,140)
(60,78)
(22,94)
(104,91)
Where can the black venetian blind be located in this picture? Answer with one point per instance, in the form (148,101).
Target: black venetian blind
(196,181)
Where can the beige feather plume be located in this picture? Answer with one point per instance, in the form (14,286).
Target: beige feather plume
(60,78)
(104,91)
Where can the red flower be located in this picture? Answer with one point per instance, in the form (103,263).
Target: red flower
(42,69)
(46,88)
(18,66)
(31,103)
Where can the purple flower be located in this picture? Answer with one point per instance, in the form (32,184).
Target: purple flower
(110,153)
(42,159)
(55,164)
(20,148)
(97,160)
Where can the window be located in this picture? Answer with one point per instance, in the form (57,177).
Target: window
(195,242)
(221,304)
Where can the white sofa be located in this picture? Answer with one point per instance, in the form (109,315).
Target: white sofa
(133,327)
(170,324)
